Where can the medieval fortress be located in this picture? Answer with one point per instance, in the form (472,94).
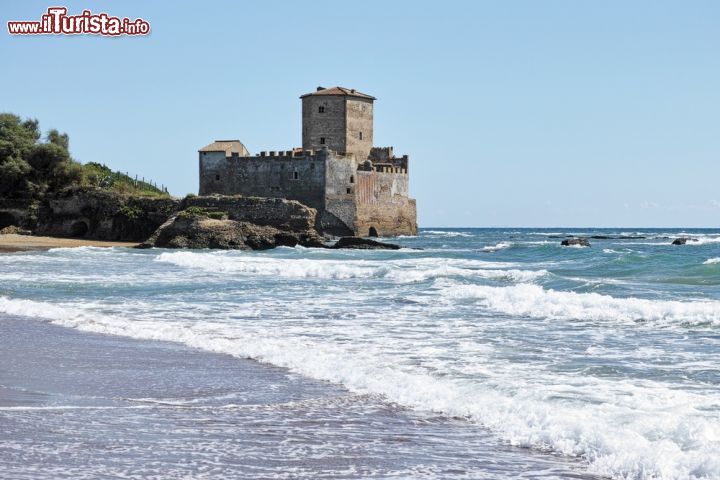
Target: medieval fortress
(357,189)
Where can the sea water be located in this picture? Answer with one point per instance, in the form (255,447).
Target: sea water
(606,357)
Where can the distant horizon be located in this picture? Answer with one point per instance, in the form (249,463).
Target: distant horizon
(575,228)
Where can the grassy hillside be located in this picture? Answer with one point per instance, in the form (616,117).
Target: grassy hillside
(101,176)
(31,167)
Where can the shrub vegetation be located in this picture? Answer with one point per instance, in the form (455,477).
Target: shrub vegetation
(31,167)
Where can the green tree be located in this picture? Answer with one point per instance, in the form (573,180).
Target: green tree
(59,139)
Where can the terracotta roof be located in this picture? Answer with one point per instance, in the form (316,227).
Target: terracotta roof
(347,92)
(227,146)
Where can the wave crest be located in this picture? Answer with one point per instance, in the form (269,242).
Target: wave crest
(400,271)
(529,300)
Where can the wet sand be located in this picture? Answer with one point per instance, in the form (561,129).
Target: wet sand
(23,243)
(84,405)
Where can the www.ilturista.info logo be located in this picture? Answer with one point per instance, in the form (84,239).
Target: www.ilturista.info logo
(57,22)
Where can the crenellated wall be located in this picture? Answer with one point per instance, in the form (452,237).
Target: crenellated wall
(349,200)
(283,174)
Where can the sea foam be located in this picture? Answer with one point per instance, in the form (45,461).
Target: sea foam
(535,301)
(638,429)
(400,271)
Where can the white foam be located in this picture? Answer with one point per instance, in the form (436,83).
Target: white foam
(401,271)
(624,429)
(534,301)
(700,239)
(494,248)
(446,233)
(712,261)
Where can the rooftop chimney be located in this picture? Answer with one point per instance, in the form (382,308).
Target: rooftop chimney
(320,88)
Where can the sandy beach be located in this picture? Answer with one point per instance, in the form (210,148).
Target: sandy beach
(120,407)
(23,243)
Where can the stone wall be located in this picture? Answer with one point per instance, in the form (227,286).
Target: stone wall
(339,214)
(281,175)
(383,204)
(322,180)
(282,214)
(342,121)
(359,120)
(348,201)
(329,124)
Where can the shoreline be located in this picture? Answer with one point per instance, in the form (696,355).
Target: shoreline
(12,243)
(144,407)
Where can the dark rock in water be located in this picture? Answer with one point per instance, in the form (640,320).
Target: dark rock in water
(364,244)
(571,242)
(198,231)
(683,240)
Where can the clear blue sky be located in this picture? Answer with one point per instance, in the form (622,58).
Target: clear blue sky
(514,113)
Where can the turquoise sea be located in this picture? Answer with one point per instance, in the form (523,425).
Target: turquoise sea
(469,353)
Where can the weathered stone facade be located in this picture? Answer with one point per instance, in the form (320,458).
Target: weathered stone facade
(357,189)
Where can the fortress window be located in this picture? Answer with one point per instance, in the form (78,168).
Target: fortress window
(217,177)
(352,178)
(322,140)
(321,109)
(296,175)
(349,190)
(360,136)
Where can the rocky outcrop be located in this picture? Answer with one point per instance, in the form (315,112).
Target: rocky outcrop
(360,243)
(197,230)
(223,222)
(103,215)
(575,242)
(683,240)
(286,215)
(243,223)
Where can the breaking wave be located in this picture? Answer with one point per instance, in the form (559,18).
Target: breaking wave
(446,233)
(534,301)
(494,248)
(640,429)
(401,271)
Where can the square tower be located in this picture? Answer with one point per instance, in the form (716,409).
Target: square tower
(340,119)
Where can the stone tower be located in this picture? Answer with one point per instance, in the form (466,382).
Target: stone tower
(340,119)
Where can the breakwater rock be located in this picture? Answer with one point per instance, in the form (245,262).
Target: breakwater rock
(576,242)
(360,243)
(683,240)
(193,229)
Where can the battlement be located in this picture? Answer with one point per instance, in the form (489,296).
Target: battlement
(356,188)
(299,153)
